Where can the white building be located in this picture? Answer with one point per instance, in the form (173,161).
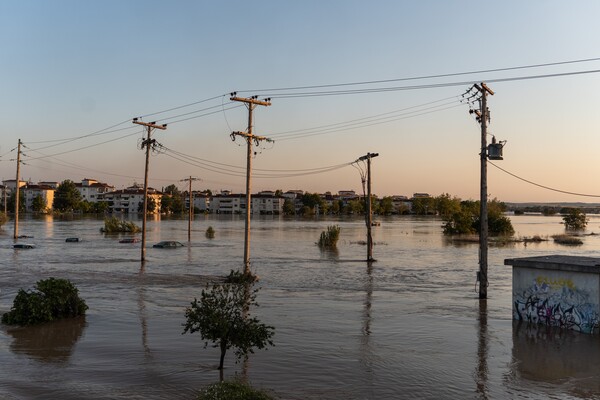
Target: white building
(226,203)
(90,189)
(236,203)
(130,200)
(30,192)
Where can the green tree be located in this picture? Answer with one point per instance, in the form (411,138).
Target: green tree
(288,207)
(355,206)
(423,205)
(10,204)
(222,317)
(172,200)
(3,218)
(386,205)
(465,220)
(66,197)
(575,220)
(446,205)
(335,207)
(38,204)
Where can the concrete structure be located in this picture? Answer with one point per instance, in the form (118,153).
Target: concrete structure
(128,200)
(262,203)
(30,192)
(562,291)
(10,184)
(90,189)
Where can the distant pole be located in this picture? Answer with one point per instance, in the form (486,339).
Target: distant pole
(368,205)
(483,212)
(191,206)
(17,191)
(148,143)
(251,103)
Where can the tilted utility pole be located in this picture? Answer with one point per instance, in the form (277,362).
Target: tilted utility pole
(251,103)
(483,117)
(191,207)
(17,192)
(148,143)
(369,211)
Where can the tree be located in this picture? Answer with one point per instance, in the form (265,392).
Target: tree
(150,205)
(465,220)
(575,220)
(288,207)
(38,204)
(386,205)
(172,200)
(3,218)
(446,205)
(222,317)
(10,205)
(66,197)
(423,205)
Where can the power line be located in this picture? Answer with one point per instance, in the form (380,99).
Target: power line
(428,76)
(543,186)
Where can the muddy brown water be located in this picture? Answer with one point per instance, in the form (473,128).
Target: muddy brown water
(408,326)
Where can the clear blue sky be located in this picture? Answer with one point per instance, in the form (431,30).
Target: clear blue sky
(72,68)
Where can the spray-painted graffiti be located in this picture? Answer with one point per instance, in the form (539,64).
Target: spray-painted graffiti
(547,302)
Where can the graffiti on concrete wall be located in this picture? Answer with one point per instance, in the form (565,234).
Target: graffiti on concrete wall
(557,302)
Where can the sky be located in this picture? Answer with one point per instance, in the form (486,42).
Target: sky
(73,75)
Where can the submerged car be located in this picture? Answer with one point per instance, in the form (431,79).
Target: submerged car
(168,244)
(24,246)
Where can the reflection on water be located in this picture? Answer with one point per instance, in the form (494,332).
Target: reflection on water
(482,350)
(408,326)
(52,342)
(558,356)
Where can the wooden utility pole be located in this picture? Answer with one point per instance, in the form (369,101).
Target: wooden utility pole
(148,143)
(251,103)
(17,191)
(483,212)
(369,211)
(191,207)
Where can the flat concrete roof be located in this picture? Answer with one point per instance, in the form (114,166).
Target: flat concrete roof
(558,262)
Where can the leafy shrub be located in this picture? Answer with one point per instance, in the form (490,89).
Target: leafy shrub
(238,277)
(575,220)
(115,225)
(210,232)
(232,390)
(50,300)
(329,238)
(466,219)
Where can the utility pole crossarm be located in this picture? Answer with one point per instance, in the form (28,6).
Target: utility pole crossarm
(252,100)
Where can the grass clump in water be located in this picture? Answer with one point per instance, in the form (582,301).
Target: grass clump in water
(567,240)
(232,390)
(330,237)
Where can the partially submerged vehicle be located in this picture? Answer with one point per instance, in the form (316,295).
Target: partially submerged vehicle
(168,244)
(24,246)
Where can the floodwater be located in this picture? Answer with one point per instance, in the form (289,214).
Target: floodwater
(407,326)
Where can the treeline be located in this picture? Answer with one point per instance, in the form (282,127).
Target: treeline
(552,210)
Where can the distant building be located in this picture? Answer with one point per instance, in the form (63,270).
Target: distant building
(10,184)
(227,203)
(90,189)
(30,192)
(262,203)
(128,200)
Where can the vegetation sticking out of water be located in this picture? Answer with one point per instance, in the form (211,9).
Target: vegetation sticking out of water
(116,225)
(330,237)
(233,390)
(210,232)
(51,299)
(568,240)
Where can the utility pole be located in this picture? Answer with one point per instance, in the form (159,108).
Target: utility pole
(251,103)
(484,117)
(369,211)
(148,143)
(191,207)
(17,192)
